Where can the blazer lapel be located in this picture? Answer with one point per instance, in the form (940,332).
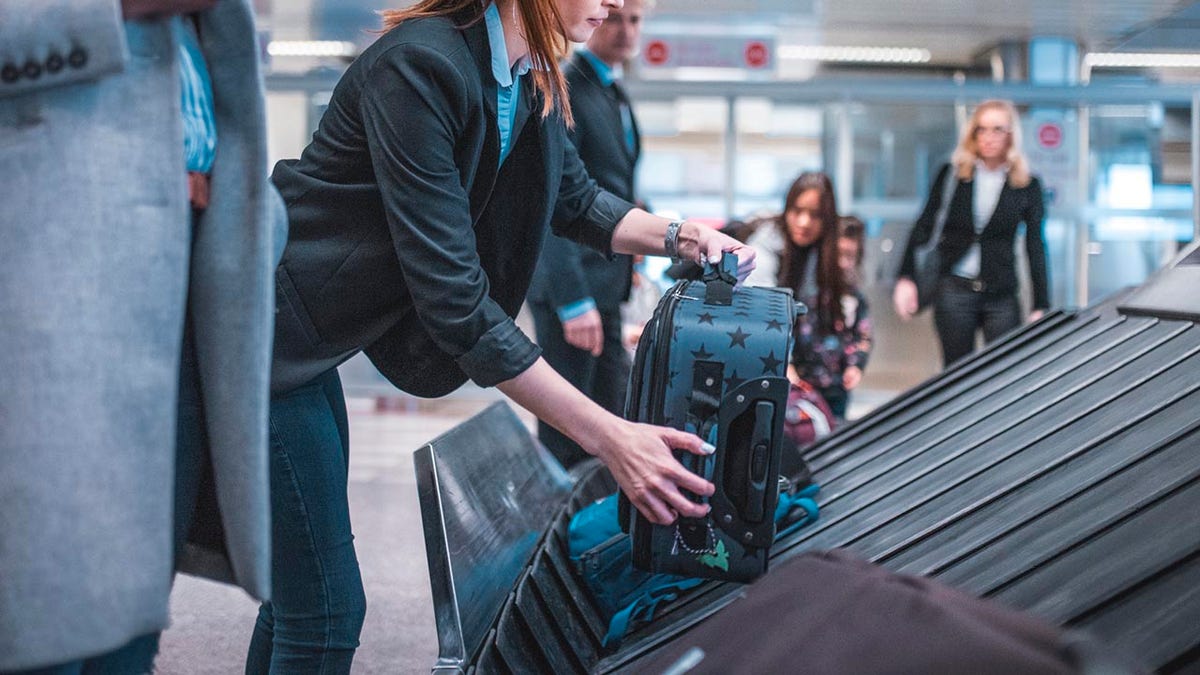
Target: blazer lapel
(475,36)
(623,101)
(1002,203)
(615,97)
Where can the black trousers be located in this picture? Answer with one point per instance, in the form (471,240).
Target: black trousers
(963,307)
(604,378)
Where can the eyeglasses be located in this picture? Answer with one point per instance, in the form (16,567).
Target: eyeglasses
(991,131)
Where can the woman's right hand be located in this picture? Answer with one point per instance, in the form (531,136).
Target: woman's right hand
(640,459)
(904,298)
(638,455)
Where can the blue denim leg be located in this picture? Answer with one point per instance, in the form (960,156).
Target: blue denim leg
(1001,313)
(957,315)
(312,623)
(136,657)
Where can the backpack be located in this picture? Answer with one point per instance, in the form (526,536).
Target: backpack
(627,597)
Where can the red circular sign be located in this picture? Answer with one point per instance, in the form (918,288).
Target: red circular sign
(1050,135)
(756,54)
(657,52)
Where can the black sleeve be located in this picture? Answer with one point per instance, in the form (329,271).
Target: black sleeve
(923,228)
(584,212)
(1035,245)
(414,107)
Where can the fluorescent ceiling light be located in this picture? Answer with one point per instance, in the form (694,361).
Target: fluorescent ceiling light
(311,48)
(855,54)
(1141,60)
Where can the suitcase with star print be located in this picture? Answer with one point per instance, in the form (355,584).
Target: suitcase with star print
(712,360)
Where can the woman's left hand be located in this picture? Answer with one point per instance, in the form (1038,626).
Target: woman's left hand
(851,377)
(701,244)
(1035,315)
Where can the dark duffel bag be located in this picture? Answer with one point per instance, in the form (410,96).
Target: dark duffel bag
(713,361)
(832,613)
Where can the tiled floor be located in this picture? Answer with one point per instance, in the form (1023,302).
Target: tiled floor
(211,623)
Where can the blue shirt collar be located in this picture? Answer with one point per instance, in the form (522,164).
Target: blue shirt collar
(500,70)
(607,74)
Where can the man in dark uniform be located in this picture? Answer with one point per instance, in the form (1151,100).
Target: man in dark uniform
(577,293)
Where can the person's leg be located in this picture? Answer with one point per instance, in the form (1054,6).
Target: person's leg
(1000,315)
(838,399)
(611,378)
(575,365)
(312,623)
(956,316)
(135,657)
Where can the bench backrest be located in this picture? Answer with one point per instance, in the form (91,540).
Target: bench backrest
(488,491)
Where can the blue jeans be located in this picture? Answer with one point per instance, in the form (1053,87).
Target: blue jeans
(960,311)
(312,623)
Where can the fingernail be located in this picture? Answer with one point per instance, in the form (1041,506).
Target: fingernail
(708,448)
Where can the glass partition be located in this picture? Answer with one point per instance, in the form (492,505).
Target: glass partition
(1141,193)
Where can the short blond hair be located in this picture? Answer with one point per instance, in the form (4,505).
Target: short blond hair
(967,152)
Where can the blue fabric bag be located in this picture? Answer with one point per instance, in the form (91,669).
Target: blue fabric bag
(628,597)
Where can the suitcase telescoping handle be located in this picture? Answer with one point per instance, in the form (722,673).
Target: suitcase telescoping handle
(720,279)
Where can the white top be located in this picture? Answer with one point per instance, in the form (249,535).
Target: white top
(767,243)
(987,186)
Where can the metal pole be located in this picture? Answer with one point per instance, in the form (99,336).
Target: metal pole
(731,134)
(1196,165)
(843,180)
(1082,227)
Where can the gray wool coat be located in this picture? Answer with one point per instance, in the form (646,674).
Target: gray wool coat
(96,260)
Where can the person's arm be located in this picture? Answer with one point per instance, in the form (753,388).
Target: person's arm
(415,104)
(561,267)
(858,352)
(640,232)
(52,43)
(597,218)
(904,296)
(1035,249)
(638,455)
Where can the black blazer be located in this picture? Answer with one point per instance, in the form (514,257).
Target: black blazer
(566,271)
(406,240)
(997,265)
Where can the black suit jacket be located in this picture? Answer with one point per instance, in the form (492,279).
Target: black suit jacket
(566,271)
(997,265)
(406,239)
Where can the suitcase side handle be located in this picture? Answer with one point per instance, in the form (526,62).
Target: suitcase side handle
(720,279)
(749,431)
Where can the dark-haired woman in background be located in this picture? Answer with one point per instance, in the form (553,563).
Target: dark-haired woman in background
(993,194)
(799,250)
(416,215)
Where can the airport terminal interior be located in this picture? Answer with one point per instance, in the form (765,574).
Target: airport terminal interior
(734,99)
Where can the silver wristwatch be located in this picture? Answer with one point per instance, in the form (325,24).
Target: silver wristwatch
(671,240)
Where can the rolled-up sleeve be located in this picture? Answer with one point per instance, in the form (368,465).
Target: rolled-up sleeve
(414,106)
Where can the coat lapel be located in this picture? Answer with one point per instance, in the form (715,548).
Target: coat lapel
(475,36)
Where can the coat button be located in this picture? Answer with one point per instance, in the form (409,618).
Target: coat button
(54,63)
(77,58)
(32,69)
(9,73)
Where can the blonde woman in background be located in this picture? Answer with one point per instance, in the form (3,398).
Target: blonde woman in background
(995,192)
